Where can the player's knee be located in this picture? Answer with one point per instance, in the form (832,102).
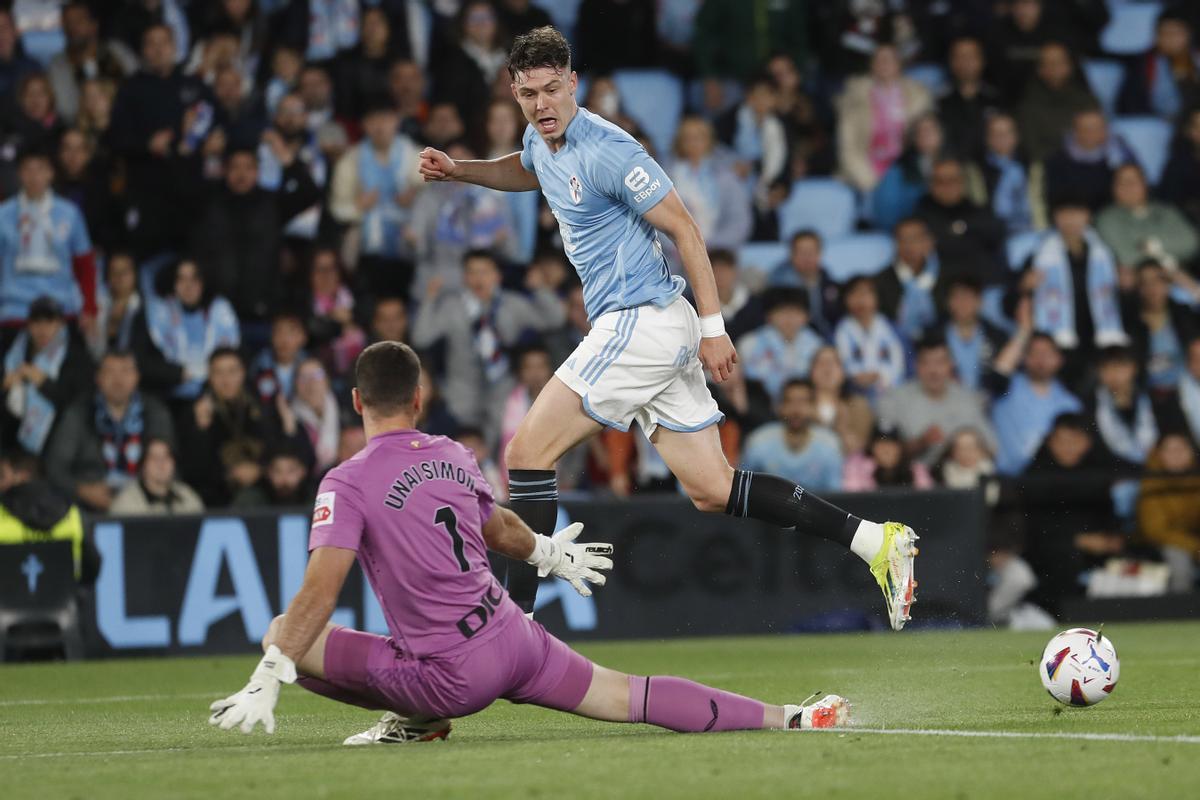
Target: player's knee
(272,631)
(519,455)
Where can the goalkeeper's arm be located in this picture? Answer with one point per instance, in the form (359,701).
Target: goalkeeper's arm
(559,555)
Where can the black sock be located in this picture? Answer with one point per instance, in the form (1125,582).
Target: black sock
(533,496)
(781,502)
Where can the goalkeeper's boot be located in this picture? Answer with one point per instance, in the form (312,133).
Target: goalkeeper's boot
(893,571)
(395,729)
(831,711)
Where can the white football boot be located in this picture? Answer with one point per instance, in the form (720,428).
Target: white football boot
(831,711)
(395,729)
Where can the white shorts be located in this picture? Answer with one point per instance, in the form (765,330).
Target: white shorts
(641,364)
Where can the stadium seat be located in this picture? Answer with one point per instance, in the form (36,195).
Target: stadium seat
(931,76)
(1131,29)
(563,13)
(826,205)
(1105,76)
(762,256)
(38,610)
(1150,140)
(1020,246)
(857,254)
(654,99)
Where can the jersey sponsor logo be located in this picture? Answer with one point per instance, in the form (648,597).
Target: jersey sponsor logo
(576,190)
(323,510)
(638,181)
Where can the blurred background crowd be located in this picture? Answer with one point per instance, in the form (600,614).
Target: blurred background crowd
(954,242)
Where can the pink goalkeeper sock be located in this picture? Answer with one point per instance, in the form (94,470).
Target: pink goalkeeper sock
(689,707)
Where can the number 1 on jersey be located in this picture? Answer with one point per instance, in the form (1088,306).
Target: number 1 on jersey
(446,518)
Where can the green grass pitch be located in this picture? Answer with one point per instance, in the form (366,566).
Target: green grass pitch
(133,729)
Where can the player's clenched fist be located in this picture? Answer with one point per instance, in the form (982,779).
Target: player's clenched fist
(575,562)
(436,165)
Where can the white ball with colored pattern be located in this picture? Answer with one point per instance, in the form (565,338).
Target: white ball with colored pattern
(1080,667)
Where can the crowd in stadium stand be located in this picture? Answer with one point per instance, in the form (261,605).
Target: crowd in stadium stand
(954,244)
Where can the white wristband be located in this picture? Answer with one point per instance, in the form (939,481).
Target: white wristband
(712,326)
(276,665)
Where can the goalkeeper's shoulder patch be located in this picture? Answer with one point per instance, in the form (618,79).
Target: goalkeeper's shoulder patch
(323,509)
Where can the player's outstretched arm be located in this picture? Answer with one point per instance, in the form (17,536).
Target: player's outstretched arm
(559,555)
(670,216)
(506,173)
(306,617)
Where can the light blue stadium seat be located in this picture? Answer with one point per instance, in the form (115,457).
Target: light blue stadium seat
(1131,28)
(931,76)
(1105,76)
(654,99)
(563,13)
(857,254)
(762,256)
(1150,140)
(44,45)
(524,207)
(1020,246)
(828,206)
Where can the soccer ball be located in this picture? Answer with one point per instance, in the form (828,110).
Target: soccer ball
(1079,667)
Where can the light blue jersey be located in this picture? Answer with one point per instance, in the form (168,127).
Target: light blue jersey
(598,186)
(38,244)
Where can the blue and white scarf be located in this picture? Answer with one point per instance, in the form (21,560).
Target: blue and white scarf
(1131,444)
(1010,197)
(1054,298)
(120,440)
(167,323)
(876,348)
(917,309)
(25,401)
(488,345)
(35,236)
(383,224)
(332,27)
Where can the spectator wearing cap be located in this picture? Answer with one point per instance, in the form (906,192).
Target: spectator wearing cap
(884,464)
(478,323)
(1073,279)
(783,348)
(1124,415)
(1050,101)
(1165,81)
(183,329)
(157,492)
(1083,168)
(926,410)
(45,368)
(238,236)
(45,250)
(795,447)
(803,269)
(155,111)
(871,349)
(374,186)
(98,443)
(1138,228)
(1160,327)
(911,289)
(1028,402)
(86,56)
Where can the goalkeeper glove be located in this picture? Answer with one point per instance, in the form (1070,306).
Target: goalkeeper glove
(575,562)
(255,703)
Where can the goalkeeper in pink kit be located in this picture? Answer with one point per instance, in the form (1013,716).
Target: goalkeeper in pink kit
(419,517)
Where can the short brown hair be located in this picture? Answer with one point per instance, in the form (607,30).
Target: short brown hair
(541,47)
(387,374)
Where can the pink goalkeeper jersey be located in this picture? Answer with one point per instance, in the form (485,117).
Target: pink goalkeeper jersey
(413,507)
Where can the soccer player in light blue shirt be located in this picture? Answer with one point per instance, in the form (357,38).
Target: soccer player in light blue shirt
(645,357)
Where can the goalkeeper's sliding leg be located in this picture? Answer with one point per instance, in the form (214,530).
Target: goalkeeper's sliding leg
(523,663)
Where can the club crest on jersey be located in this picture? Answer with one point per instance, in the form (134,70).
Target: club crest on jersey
(576,190)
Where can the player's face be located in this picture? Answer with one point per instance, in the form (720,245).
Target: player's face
(547,99)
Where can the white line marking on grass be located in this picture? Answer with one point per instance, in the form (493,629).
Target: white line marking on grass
(243,748)
(1091,737)
(116,698)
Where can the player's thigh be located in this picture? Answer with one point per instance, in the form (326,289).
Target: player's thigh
(698,461)
(555,423)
